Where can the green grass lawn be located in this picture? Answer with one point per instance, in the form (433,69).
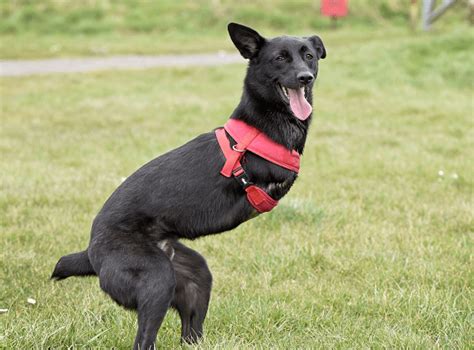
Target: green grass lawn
(371,248)
(51,28)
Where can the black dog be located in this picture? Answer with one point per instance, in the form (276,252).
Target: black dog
(134,248)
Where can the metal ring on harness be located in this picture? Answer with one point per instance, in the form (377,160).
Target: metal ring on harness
(237,150)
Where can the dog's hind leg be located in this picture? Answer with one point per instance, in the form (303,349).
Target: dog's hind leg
(138,276)
(193,290)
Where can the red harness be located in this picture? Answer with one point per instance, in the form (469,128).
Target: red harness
(253,140)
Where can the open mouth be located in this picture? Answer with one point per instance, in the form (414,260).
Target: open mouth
(284,92)
(296,98)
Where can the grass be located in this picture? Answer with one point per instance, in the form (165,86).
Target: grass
(51,28)
(371,248)
(93,17)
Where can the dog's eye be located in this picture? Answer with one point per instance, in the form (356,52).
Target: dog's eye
(280,58)
(309,56)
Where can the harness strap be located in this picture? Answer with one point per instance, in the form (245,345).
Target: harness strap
(260,199)
(257,197)
(234,154)
(263,146)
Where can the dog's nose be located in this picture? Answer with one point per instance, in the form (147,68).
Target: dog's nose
(305,77)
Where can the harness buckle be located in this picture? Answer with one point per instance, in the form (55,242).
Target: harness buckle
(241,177)
(238,171)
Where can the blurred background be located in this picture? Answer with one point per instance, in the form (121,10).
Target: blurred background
(372,247)
(101,27)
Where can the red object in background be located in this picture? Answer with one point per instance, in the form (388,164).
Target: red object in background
(334,8)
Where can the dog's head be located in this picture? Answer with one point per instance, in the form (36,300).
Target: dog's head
(282,70)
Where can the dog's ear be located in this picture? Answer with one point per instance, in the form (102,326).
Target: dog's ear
(247,40)
(318,45)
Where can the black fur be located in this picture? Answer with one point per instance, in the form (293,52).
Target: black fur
(134,248)
(75,264)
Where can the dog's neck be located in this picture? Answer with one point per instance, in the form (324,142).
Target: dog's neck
(277,123)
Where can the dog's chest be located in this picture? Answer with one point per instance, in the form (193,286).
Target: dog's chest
(278,189)
(273,179)
(278,186)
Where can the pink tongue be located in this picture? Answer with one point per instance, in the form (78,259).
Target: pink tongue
(300,107)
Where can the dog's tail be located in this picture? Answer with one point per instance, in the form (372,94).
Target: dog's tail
(76,264)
